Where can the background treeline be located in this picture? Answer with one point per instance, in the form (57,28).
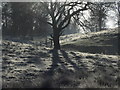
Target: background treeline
(29,19)
(22,19)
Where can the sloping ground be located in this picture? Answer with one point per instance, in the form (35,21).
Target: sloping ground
(26,66)
(105,42)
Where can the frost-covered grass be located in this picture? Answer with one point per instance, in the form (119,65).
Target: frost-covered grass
(27,66)
(100,42)
(74,37)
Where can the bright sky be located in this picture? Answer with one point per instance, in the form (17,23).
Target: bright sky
(112,19)
(111,24)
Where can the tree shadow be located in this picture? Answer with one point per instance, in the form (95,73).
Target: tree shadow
(55,61)
(104,72)
(81,70)
(109,50)
(110,72)
(65,55)
(34,60)
(50,81)
(67,77)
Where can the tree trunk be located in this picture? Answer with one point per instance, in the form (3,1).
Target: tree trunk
(99,23)
(100,19)
(56,39)
(46,41)
(119,20)
(56,42)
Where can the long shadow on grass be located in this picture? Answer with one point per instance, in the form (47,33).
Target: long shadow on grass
(55,61)
(65,73)
(107,73)
(48,75)
(103,73)
(109,50)
(81,70)
(50,81)
(65,55)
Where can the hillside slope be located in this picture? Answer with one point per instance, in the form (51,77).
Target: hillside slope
(26,66)
(105,42)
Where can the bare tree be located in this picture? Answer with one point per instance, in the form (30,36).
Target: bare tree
(59,16)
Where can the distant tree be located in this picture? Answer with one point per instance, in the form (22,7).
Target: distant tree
(6,18)
(22,20)
(82,21)
(98,15)
(16,18)
(19,19)
(60,14)
(41,28)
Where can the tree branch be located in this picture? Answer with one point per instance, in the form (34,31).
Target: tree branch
(70,15)
(66,24)
(50,23)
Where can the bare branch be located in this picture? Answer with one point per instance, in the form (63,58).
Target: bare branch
(61,33)
(66,24)
(74,13)
(50,23)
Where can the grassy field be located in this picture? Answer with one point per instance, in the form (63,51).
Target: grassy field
(30,66)
(105,42)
